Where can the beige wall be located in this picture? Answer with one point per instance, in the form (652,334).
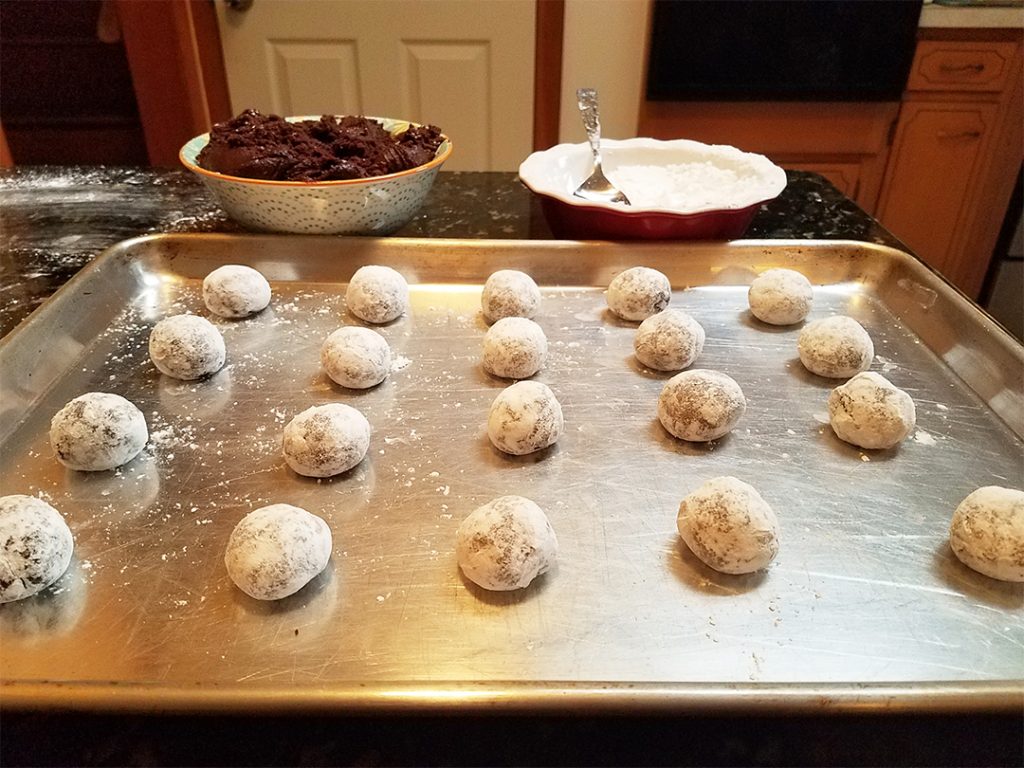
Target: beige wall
(605,46)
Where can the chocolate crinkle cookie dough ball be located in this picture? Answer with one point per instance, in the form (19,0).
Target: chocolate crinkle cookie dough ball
(355,357)
(780,297)
(506,544)
(257,146)
(509,293)
(326,440)
(987,532)
(835,347)
(668,341)
(234,291)
(638,293)
(700,405)
(869,412)
(98,431)
(187,347)
(35,546)
(514,348)
(377,294)
(276,550)
(524,418)
(729,526)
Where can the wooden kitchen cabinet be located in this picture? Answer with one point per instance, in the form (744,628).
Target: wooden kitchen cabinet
(956,153)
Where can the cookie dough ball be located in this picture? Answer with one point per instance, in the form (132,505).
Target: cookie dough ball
(729,526)
(506,544)
(377,294)
(35,546)
(638,293)
(186,347)
(987,532)
(668,341)
(868,411)
(524,418)
(356,357)
(98,431)
(235,291)
(700,405)
(514,348)
(509,293)
(780,297)
(835,347)
(275,551)
(326,440)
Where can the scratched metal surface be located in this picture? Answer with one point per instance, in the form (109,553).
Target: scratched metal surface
(864,590)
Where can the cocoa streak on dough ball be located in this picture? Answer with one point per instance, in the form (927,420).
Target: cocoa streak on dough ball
(869,412)
(235,291)
(505,544)
(668,341)
(356,357)
(524,418)
(514,348)
(35,546)
(835,347)
(98,431)
(987,532)
(509,293)
(638,293)
(377,294)
(276,550)
(186,347)
(729,526)
(700,405)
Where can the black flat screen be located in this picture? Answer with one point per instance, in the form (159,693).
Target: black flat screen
(809,50)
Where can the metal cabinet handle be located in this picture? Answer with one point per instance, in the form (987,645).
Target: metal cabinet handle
(957,68)
(959,134)
(238,5)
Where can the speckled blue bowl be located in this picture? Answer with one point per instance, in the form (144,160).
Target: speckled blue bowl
(375,206)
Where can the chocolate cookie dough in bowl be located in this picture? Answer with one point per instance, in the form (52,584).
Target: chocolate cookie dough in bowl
(327,175)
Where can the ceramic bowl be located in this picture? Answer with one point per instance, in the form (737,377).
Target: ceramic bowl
(555,173)
(374,206)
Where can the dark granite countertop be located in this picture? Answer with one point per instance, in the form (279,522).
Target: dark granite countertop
(55,219)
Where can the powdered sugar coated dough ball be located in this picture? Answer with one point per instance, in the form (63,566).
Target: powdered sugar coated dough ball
(35,546)
(356,357)
(638,293)
(700,405)
(514,348)
(524,418)
(506,544)
(729,526)
(377,294)
(235,290)
(987,532)
(98,431)
(780,297)
(835,347)
(668,341)
(509,293)
(326,440)
(186,347)
(275,551)
(868,411)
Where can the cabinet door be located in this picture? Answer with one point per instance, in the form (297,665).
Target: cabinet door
(928,194)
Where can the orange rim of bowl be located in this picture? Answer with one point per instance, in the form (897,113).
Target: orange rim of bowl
(332,183)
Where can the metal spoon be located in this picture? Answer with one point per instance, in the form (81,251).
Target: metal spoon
(596,188)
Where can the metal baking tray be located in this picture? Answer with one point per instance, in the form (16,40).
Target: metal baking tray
(865,607)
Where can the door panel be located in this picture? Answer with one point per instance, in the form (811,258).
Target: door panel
(464,65)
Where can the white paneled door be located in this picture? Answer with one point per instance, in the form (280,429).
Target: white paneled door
(463,65)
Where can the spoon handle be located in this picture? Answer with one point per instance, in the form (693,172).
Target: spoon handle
(586,98)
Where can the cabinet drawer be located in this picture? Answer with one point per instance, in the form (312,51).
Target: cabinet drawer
(960,66)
